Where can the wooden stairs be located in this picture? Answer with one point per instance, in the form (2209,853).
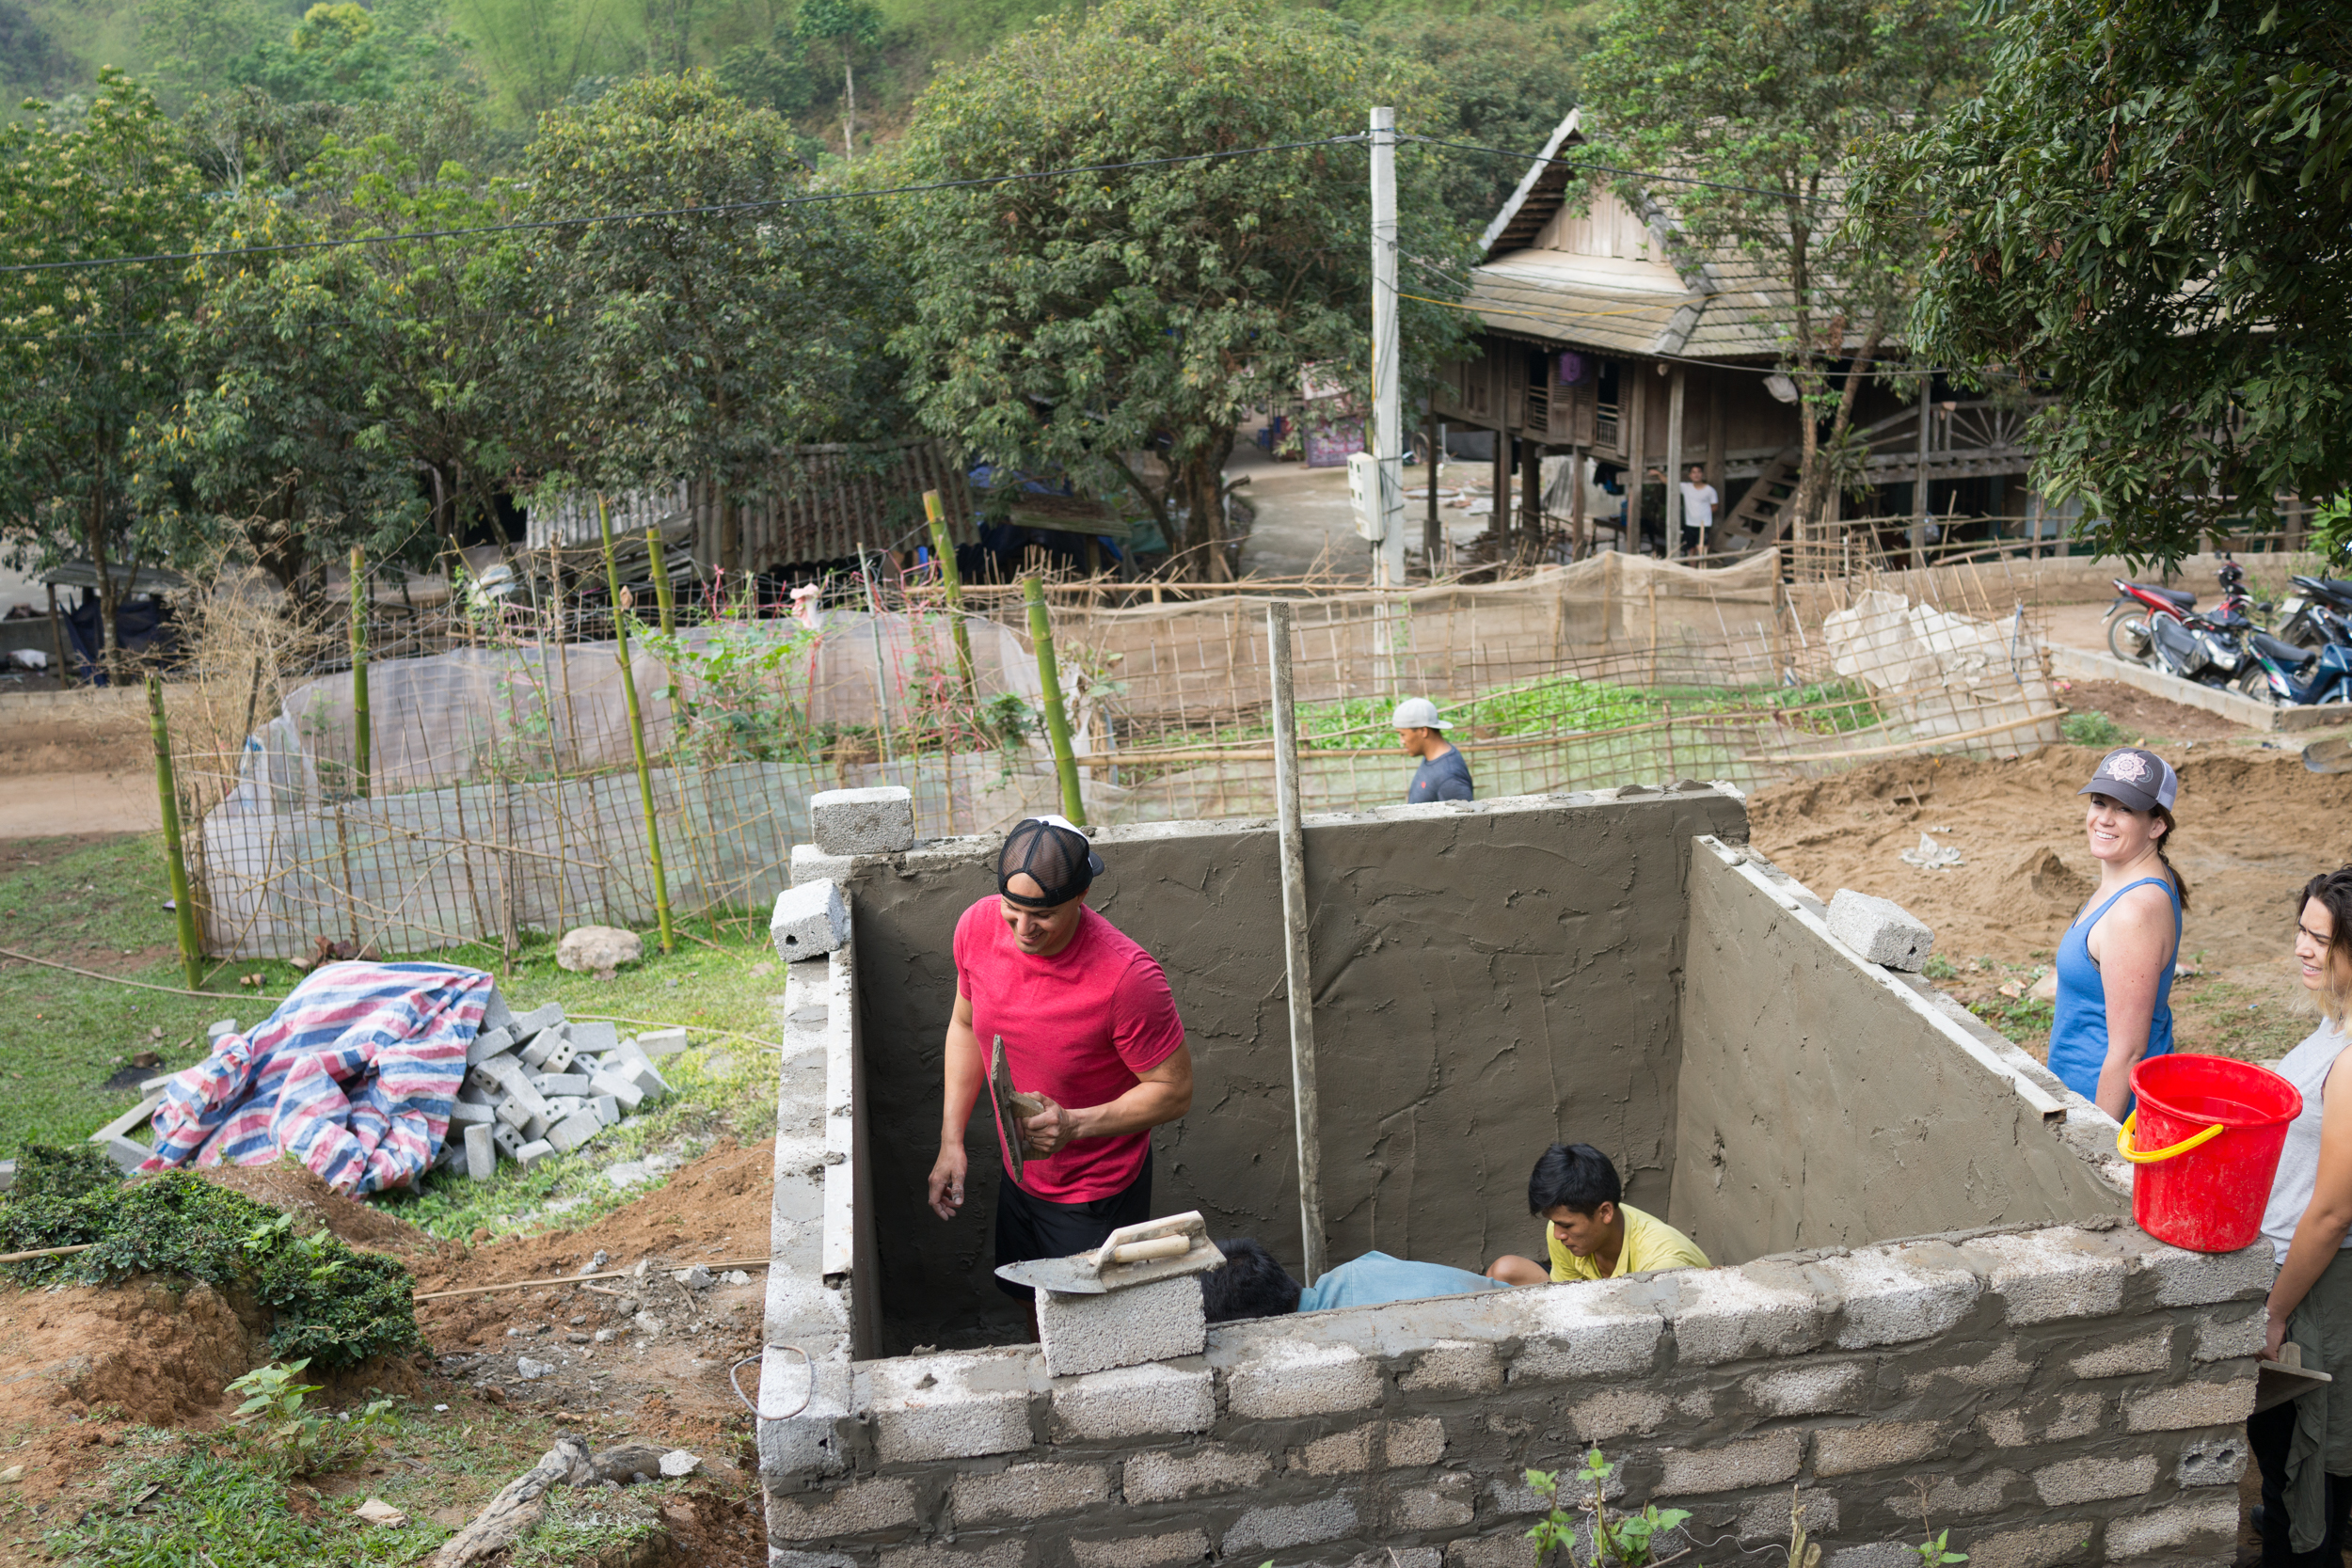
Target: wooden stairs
(1762,514)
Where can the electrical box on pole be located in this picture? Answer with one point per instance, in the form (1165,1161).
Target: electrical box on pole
(1374,488)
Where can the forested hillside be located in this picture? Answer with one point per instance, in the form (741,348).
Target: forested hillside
(1514,62)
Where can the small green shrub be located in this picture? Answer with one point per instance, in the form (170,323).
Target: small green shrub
(1626,1541)
(2094,729)
(44,1171)
(1938,967)
(329,1302)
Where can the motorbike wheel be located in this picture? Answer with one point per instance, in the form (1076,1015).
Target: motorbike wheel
(2303,630)
(2255,683)
(2128,638)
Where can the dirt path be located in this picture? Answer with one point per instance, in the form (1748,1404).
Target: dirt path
(2253,826)
(45,805)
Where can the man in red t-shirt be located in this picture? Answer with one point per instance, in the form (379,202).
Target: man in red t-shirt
(1090,1028)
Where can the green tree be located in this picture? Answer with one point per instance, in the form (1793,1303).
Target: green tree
(2145,214)
(1123,324)
(85,352)
(698,346)
(844,27)
(1769,102)
(534,51)
(321,385)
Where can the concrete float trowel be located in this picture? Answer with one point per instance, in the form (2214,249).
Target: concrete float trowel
(1131,1255)
(1012,1106)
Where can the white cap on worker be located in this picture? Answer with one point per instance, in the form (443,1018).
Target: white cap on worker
(1418,713)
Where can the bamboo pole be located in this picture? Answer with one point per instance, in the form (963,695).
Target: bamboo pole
(945,548)
(175,860)
(1057,719)
(636,730)
(660,579)
(363,735)
(1304,1102)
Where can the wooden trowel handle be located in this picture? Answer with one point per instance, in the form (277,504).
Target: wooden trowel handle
(1158,1247)
(1025,1104)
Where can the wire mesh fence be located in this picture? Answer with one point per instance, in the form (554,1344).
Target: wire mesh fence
(502,796)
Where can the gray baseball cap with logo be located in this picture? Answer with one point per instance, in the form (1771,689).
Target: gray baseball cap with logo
(2134,777)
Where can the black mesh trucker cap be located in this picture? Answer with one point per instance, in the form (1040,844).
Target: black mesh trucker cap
(1055,856)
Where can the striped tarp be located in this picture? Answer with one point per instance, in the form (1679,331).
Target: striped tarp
(353,1075)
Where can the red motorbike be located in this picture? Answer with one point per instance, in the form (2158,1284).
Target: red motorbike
(2163,628)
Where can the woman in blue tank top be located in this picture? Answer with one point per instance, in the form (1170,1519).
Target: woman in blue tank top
(2114,963)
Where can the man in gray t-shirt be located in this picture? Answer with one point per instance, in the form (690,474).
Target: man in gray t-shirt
(1442,774)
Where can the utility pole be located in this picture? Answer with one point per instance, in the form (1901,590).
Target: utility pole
(1388,416)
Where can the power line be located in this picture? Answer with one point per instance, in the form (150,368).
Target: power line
(709,209)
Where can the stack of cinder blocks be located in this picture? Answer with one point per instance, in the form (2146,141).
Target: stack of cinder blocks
(537,1085)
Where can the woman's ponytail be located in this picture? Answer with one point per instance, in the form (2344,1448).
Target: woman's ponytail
(2179,886)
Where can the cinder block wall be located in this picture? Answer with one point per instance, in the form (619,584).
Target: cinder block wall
(1488,978)
(1825,1102)
(2068,1394)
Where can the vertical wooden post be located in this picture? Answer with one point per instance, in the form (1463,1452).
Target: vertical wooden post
(635,731)
(1634,391)
(944,547)
(175,859)
(1305,1101)
(882,670)
(1579,534)
(1531,495)
(56,640)
(362,732)
(1433,532)
(1500,524)
(660,578)
(1674,462)
(1057,718)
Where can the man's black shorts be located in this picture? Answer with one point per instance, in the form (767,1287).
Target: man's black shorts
(1028,1227)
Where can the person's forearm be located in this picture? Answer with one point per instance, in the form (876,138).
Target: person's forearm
(2317,1238)
(963,1074)
(2115,1079)
(1146,1105)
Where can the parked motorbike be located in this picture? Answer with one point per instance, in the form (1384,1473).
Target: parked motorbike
(2302,612)
(2288,673)
(2162,627)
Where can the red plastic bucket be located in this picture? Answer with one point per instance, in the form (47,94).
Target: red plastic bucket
(2206,1135)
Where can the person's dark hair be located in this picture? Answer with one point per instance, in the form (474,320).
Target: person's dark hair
(2333,889)
(1572,1176)
(2164,815)
(1251,1285)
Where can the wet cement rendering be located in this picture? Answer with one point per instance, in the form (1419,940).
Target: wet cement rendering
(1487,979)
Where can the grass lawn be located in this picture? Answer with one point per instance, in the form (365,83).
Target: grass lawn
(98,903)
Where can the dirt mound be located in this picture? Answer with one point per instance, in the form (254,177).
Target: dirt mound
(295,1189)
(2253,825)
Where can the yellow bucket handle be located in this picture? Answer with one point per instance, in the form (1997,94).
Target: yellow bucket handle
(2124,1142)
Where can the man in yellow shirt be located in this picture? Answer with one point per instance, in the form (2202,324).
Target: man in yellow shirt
(1590,1232)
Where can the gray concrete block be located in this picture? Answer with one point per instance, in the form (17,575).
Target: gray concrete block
(481,1153)
(2076,1414)
(1765,1461)
(1615,1413)
(961,1405)
(1896,1295)
(1141,1551)
(593,1036)
(1135,1401)
(2212,1461)
(564,1107)
(1028,1492)
(2200,1278)
(1848,1451)
(524,1026)
(876,822)
(485,1044)
(810,920)
(657,1043)
(2229,1333)
(1341,1454)
(1876,1554)
(1767,1518)
(1157,1321)
(621,1087)
(1818,1388)
(812,865)
(1506,1550)
(464,1113)
(1155,1476)
(534,1129)
(1882,931)
(1285,1378)
(1947,1497)
(608,1110)
(495,1014)
(2087,1480)
(861,1507)
(1001,1554)
(2044,1276)
(508,1141)
(2187,1405)
(2040,1546)
(574,1131)
(1455,1367)
(218,1027)
(1731,1314)
(2210,1526)
(553,1084)
(126,1154)
(1584,1330)
(779,1557)
(1291,1525)
(2147,1352)
(550,1050)
(532,1153)
(1448,1504)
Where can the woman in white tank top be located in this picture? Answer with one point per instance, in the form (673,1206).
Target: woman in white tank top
(2304,1446)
